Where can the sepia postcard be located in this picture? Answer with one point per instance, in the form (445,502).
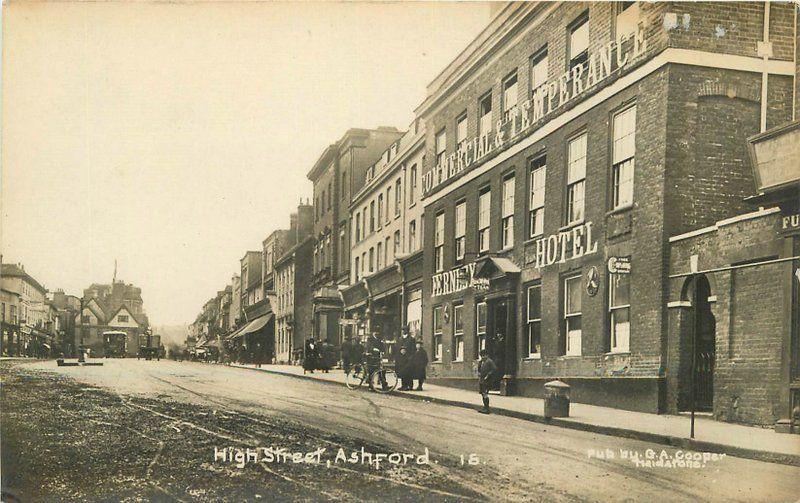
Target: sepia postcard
(400,251)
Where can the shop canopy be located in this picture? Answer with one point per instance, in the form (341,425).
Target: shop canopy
(499,266)
(254,326)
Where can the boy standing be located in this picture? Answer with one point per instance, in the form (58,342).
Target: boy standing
(486,371)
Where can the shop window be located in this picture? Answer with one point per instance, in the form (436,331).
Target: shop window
(461,230)
(624,149)
(398,197)
(485,115)
(507,224)
(509,95)
(458,333)
(535,321)
(441,146)
(538,172)
(480,327)
(619,307)
(437,333)
(579,41)
(461,130)
(438,243)
(539,70)
(484,220)
(576,179)
(572,315)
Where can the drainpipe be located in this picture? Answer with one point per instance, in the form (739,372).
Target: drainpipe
(765,51)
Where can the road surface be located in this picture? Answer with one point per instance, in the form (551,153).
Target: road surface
(517,460)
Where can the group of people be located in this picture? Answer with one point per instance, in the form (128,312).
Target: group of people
(410,361)
(318,356)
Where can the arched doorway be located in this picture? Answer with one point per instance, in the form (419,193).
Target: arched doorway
(702,329)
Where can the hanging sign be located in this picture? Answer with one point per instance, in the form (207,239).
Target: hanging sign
(592,281)
(619,265)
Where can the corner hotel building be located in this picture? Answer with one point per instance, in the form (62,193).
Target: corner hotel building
(564,147)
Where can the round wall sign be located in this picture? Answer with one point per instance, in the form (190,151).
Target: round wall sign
(592,281)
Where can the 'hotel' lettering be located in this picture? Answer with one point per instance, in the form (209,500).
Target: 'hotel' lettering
(554,248)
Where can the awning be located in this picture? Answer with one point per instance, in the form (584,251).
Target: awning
(500,266)
(256,325)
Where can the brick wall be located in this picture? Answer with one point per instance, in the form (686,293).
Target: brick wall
(749,317)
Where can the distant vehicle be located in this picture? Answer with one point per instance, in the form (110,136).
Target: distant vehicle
(115,343)
(150,347)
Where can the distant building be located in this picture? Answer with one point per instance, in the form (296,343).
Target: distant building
(114,307)
(26,302)
(292,275)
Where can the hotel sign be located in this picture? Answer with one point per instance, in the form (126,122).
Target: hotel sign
(566,245)
(546,99)
(456,280)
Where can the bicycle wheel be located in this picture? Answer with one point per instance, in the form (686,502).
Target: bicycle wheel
(354,378)
(383,380)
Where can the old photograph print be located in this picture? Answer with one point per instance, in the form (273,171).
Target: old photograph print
(400,251)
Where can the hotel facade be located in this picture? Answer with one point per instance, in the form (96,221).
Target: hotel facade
(563,148)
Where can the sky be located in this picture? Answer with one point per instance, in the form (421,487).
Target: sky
(173,137)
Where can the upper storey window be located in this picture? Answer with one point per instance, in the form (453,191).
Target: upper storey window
(485,114)
(627,19)
(441,146)
(509,95)
(539,69)
(579,41)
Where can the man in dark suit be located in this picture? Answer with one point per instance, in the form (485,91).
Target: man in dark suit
(486,372)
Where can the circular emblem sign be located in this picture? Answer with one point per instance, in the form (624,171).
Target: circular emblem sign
(592,281)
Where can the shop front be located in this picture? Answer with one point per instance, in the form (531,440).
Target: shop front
(411,272)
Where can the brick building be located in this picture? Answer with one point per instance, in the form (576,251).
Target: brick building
(338,174)
(386,224)
(564,147)
(292,286)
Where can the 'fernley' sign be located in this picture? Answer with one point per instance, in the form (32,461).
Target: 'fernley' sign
(546,98)
(566,245)
(455,280)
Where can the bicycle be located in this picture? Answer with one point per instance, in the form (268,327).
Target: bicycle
(381,379)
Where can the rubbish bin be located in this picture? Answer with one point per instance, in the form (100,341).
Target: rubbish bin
(556,399)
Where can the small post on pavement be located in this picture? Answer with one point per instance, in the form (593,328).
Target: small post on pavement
(693,278)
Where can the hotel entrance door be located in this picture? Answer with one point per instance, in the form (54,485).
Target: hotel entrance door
(498,335)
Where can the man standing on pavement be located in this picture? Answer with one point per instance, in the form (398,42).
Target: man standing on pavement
(408,342)
(419,361)
(486,371)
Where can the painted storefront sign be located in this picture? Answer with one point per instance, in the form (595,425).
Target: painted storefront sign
(566,245)
(456,280)
(546,99)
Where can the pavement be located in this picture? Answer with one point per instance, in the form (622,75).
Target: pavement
(710,436)
(514,460)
